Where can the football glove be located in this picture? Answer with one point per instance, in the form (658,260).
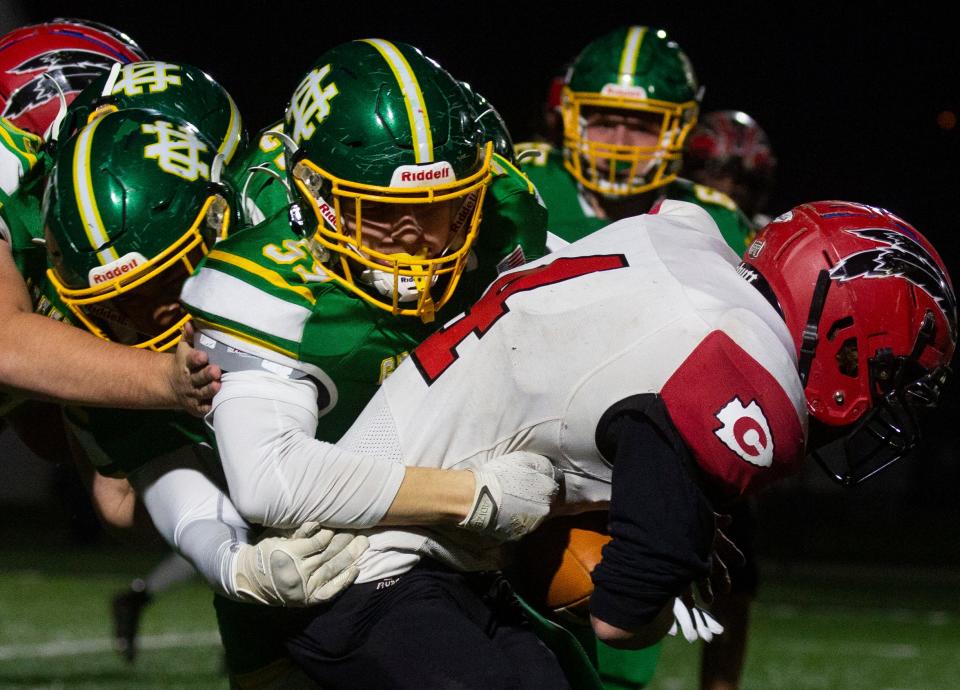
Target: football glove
(693,622)
(310,566)
(512,496)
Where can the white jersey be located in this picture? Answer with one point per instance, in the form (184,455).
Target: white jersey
(648,305)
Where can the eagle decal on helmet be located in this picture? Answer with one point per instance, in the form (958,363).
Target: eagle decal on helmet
(900,256)
(71,69)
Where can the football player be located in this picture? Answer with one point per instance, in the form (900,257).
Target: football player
(390,167)
(43,67)
(629,101)
(730,152)
(627,104)
(664,378)
(134,201)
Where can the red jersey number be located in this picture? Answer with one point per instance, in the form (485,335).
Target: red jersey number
(439,351)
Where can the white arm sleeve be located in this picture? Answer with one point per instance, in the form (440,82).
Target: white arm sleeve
(279,474)
(193,515)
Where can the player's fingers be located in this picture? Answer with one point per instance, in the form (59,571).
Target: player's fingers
(682,615)
(715,626)
(700,625)
(204,375)
(332,570)
(307,529)
(332,588)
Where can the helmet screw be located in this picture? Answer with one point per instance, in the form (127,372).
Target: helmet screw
(838,397)
(884,374)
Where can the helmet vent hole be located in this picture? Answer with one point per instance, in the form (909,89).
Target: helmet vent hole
(847,358)
(838,326)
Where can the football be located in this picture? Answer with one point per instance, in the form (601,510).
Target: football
(552,566)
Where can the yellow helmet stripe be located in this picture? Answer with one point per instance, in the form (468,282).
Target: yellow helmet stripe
(631,49)
(412,96)
(86,201)
(228,146)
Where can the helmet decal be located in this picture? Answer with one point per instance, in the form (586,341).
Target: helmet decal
(71,69)
(900,256)
(412,96)
(154,75)
(177,150)
(310,100)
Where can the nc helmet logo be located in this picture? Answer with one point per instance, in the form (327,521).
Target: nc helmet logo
(745,431)
(311,101)
(177,150)
(155,76)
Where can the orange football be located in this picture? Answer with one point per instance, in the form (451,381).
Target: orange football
(552,566)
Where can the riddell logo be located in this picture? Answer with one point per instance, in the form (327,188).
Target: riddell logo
(422,175)
(624,90)
(326,210)
(115,269)
(745,431)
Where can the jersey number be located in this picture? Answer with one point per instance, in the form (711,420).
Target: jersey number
(439,351)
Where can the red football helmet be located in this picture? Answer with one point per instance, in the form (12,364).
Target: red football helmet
(873,315)
(71,52)
(729,151)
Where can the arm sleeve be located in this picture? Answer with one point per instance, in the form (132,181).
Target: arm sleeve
(661,523)
(193,515)
(279,475)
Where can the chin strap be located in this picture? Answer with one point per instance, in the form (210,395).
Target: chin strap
(808,345)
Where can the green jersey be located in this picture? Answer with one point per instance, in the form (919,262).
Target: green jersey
(572,216)
(261,291)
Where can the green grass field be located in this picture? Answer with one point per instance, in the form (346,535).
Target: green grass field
(813,628)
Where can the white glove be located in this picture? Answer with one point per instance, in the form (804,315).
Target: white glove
(512,496)
(694,622)
(310,566)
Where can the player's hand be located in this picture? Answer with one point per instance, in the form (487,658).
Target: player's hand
(310,566)
(692,621)
(193,379)
(513,495)
(724,554)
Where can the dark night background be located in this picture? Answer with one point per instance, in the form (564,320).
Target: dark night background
(856,100)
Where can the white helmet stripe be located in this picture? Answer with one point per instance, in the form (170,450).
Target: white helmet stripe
(228,146)
(631,49)
(412,96)
(86,201)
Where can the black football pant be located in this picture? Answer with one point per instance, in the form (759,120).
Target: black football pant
(429,628)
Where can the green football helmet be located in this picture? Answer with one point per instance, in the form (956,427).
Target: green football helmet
(173,89)
(132,205)
(637,74)
(383,133)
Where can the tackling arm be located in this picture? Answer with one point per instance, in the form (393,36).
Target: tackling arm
(53,360)
(280,475)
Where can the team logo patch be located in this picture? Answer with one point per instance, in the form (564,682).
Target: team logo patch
(70,69)
(900,256)
(745,431)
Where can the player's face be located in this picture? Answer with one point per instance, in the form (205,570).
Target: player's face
(622,127)
(414,229)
